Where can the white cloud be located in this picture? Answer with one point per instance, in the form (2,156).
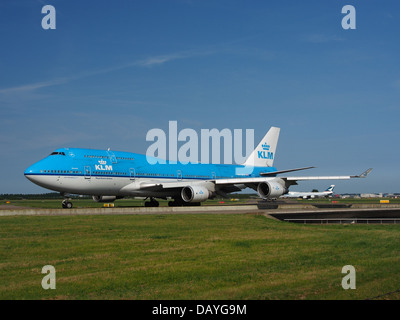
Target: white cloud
(32,86)
(320,38)
(151,61)
(148,62)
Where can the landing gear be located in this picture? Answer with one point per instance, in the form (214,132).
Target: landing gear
(152,203)
(66,204)
(180,203)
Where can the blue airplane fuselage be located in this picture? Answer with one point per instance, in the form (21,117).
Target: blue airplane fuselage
(72,163)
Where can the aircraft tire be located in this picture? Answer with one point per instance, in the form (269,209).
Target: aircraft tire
(152,204)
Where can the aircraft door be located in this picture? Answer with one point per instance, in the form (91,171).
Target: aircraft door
(112,156)
(88,172)
(132,174)
(179,175)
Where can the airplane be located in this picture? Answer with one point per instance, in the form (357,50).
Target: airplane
(309,195)
(109,175)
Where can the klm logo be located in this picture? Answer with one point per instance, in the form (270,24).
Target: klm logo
(103,166)
(265,154)
(265,146)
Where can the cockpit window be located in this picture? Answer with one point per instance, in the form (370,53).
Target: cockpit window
(60,153)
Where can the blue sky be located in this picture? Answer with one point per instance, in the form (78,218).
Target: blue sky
(113,70)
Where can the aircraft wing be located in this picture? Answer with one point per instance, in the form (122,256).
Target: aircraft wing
(162,186)
(235,184)
(168,185)
(273,173)
(362,175)
(290,180)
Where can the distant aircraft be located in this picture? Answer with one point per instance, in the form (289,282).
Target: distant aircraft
(310,195)
(109,175)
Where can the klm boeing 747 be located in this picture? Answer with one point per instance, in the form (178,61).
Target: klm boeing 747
(109,175)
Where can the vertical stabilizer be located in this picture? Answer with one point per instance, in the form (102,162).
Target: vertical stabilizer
(264,154)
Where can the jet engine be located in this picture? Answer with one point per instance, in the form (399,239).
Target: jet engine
(271,189)
(105,198)
(195,194)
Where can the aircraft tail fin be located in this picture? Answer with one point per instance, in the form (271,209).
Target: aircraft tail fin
(331,188)
(264,154)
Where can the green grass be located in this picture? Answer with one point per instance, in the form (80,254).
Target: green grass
(89,203)
(78,203)
(202,256)
(123,203)
(349,200)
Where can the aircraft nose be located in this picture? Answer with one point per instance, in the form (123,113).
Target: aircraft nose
(35,174)
(31,172)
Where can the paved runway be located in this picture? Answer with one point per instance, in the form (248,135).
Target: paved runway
(134,210)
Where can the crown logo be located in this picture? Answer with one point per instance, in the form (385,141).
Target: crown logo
(102,162)
(265,146)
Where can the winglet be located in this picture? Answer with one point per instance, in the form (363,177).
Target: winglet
(364,174)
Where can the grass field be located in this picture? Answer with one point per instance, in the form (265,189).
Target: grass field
(202,256)
(89,203)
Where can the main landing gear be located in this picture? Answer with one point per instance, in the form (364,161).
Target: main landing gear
(180,203)
(152,203)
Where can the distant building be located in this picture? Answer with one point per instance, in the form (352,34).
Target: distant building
(349,195)
(371,195)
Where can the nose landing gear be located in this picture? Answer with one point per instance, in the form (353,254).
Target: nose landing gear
(66,204)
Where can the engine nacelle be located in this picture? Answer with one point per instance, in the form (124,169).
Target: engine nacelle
(195,194)
(104,198)
(271,189)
